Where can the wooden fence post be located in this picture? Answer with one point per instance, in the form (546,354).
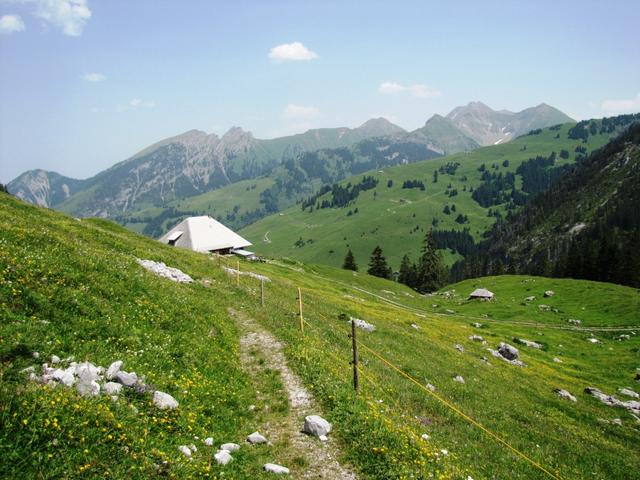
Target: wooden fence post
(354,348)
(300,310)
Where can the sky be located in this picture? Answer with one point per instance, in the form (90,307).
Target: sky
(88,83)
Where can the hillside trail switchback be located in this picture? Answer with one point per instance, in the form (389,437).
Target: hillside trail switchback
(321,457)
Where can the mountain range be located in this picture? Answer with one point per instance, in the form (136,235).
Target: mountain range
(196,162)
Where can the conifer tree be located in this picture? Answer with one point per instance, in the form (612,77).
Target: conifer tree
(408,272)
(378,264)
(350,262)
(431,272)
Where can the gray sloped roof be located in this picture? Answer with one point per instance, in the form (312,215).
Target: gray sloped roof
(481,292)
(204,234)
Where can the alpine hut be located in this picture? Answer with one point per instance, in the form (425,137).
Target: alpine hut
(204,234)
(482,294)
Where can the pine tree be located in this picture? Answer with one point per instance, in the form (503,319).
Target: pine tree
(431,272)
(378,264)
(408,272)
(350,262)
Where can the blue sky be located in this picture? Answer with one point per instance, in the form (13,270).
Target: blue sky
(87,83)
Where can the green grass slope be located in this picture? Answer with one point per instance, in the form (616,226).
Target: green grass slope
(397,218)
(73,288)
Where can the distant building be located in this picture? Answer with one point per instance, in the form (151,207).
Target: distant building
(482,294)
(204,234)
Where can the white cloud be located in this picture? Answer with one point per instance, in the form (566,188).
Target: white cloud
(68,15)
(11,24)
(300,112)
(136,103)
(417,89)
(94,77)
(295,51)
(616,107)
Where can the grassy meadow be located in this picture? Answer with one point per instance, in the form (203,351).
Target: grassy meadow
(73,287)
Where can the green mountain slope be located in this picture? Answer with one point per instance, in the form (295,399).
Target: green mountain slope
(397,218)
(584,226)
(73,287)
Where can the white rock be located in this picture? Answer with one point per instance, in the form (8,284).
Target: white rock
(323,438)
(255,438)
(549,293)
(459,347)
(185,450)
(223,457)
(476,338)
(557,360)
(113,369)
(444,452)
(565,394)
(413,325)
(593,340)
(431,387)
(450,312)
(616,421)
(530,299)
(55,359)
(277,469)
(209,442)
(112,388)
(162,270)
(316,425)
(86,385)
(529,343)
(164,401)
(425,436)
(193,448)
(458,378)
(574,321)
(628,392)
(35,355)
(230,447)
(366,326)
(126,379)
(477,325)
(88,369)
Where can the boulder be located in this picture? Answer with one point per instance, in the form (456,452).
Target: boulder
(628,392)
(458,378)
(185,450)
(112,388)
(528,343)
(113,369)
(508,351)
(164,401)
(126,379)
(223,457)
(208,441)
(87,368)
(230,447)
(277,469)
(549,293)
(565,394)
(476,338)
(256,438)
(316,425)
(86,385)
(55,359)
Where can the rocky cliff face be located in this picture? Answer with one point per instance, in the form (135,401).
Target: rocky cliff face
(43,188)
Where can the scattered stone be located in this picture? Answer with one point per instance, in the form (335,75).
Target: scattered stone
(126,379)
(415,326)
(593,340)
(209,442)
(628,392)
(508,351)
(425,436)
(223,457)
(528,343)
(557,360)
(458,378)
(450,312)
(316,425)
(55,359)
(113,369)
(612,401)
(185,450)
(459,347)
(549,293)
(35,355)
(112,388)
(431,387)
(574,321)
(545,308)
(530,299)
(30,369)
(230,447)
(444,452)
(623,337)
(277,469)
(164,401)
(89,369)
(193,448)
(251,408)
(162,270)
(477,325)
(564,394)
(368,327)
(323,438)
(256,438)
(476,338)
(86,385)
